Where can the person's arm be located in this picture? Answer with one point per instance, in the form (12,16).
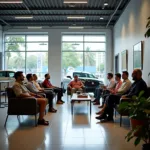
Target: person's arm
(46,84)
(124,88)
(70,85)
(81,84)
(31,89)
(18,92)
(111,85)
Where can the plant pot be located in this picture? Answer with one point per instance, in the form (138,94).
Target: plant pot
(135,123)
(146,147)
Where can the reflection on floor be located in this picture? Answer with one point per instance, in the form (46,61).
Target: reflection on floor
(65,132)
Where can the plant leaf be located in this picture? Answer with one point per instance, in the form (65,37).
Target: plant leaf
(137,141)
(147,34)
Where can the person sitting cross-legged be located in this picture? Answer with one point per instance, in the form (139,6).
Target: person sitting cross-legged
(22,92)
(49,94)
(59,91)
(138,86)
(75,85)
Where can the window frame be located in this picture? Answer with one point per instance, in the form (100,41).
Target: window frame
(24,51)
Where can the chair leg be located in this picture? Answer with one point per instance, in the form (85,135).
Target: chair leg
(6,120)
(120,120)
(115,113)
(18,117)
(35,121)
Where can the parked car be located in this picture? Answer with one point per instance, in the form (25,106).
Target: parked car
(89,80)
(6,75)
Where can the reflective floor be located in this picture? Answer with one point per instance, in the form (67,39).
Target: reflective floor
(65,132)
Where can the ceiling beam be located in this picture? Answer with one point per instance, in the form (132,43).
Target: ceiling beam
(58,22)
(56,15)
(62,10)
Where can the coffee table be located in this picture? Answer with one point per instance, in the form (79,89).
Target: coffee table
(75,98)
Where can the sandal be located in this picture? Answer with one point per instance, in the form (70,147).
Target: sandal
(43,122)
(52,110)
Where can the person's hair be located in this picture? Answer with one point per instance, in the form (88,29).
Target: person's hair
(118,75)
(28,76)
(17,74)
(34,75)
(139,71)
(126,72)
(46,75)
(75,76)
(110,74)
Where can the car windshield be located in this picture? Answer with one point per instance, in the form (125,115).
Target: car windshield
(90,76)
(79,74)
(84,75)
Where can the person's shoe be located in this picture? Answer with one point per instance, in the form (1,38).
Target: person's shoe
(99,112)
(52,110)
(43,122)
(107,120)
(110,119)
(59,102)
(62,101)
(96,103)
(100,106)
(101,117)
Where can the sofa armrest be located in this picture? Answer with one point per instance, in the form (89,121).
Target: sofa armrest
(22,106)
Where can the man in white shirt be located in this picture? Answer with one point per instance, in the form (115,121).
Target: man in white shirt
(99,90)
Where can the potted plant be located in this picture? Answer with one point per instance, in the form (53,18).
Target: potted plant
(147,34)
(138,109)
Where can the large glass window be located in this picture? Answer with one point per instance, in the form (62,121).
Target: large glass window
(84,53)
(27,53)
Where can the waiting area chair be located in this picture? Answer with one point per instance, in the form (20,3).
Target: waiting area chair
(21,106)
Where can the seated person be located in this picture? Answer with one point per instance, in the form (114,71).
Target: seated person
(59,91)
(75,85)
(138,86)
(119,90)
(100,90)
(49,94)
(21,91)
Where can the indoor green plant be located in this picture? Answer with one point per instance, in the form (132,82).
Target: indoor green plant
(138,109)
(147,34)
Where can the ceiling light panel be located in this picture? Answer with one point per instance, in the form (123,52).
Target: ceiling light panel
(75,17)
(23,17)
(35,27)
(10,1)
(71,27)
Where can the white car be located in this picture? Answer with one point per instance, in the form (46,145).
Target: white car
(6,75)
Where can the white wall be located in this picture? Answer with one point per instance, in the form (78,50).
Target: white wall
(54,62)
(130,29)
(1,41)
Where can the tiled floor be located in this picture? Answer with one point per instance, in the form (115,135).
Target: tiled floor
(65,132)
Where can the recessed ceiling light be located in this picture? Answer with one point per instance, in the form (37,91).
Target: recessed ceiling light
(75,17)
(72,27)
(24,17)
(101,18)
(75,1)
(35,27)
(11,1)
(105,4)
